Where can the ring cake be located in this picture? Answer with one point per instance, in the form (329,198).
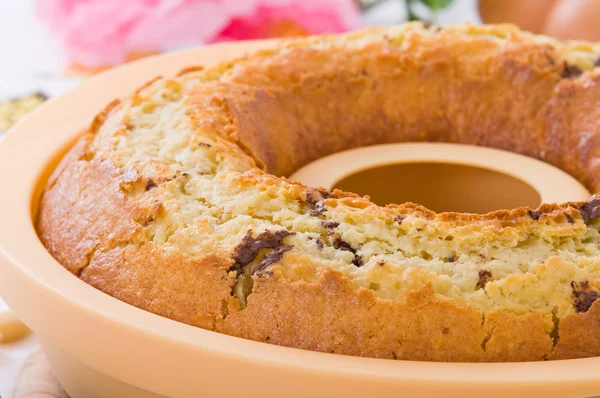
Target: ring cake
(175,199)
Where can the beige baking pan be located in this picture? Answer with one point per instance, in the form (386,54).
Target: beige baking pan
(100,347)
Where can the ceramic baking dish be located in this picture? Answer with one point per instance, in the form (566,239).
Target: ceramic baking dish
(101,347)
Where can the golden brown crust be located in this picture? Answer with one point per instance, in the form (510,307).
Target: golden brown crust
(330,315)
(572,119)
(578,335)
(191,291)
(95,213)
(73,223)
(101,117)
(432,67)
(190,69)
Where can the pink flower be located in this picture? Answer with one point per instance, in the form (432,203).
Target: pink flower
(100,32)
(276,18)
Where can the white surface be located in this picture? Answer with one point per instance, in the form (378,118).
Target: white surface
(12,357)
(32,60)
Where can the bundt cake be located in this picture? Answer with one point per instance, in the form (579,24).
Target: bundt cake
(176,199)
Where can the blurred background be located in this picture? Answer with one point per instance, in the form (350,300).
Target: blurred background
(50,46)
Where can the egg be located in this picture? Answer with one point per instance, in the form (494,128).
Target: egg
(529,15)
(574,20)
(563,19)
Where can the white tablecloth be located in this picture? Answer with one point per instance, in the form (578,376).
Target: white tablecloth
(12,357)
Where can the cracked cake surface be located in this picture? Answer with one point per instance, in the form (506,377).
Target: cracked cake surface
(175,199)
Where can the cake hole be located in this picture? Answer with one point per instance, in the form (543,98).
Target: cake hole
(441,187)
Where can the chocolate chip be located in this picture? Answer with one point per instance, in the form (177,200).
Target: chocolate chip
(340,244)
(318,241)
(249,247)
(328,224)
(318,210)
(237,268)
(399,219)
(584,296)
(150,184)
(484,277)
(314,196)
(569,219)
(320,244)
(570,71)
(534,214)
(271,258)
(597,63)
(590,210)
(358,260)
